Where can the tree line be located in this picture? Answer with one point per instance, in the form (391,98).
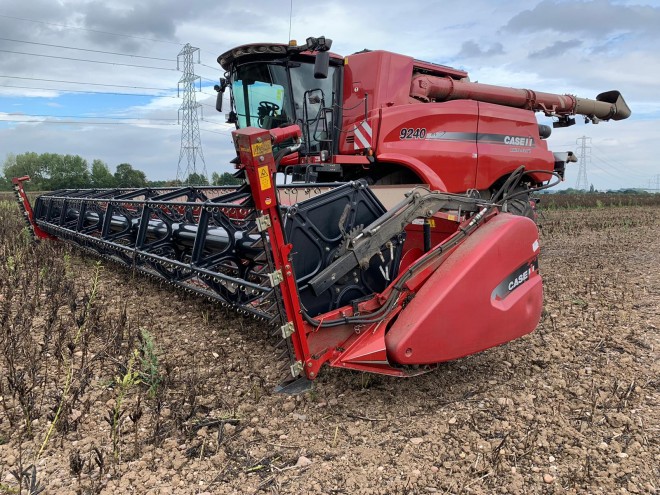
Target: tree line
(52,171)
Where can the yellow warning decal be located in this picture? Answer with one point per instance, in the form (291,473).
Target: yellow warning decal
(262,148)
(264,177)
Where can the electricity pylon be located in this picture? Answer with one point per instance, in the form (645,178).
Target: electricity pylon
(585,155)
(191,154)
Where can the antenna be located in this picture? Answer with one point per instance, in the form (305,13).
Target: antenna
(191,143)
(582,183)
(290,17)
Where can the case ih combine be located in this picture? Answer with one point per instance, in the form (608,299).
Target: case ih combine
(358,274)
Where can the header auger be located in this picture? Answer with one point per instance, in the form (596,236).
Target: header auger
(356,274)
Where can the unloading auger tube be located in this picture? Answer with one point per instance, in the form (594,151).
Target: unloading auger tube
(340,280)
(607,105)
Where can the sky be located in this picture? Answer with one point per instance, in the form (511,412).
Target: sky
(99,79)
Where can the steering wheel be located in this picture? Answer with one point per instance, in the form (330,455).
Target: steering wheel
(266,109)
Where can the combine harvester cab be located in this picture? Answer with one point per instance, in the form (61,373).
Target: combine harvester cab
(340,279)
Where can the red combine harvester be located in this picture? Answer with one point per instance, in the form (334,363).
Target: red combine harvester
(393,119)
(359,274)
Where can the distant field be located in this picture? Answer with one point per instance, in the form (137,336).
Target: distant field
(597,200)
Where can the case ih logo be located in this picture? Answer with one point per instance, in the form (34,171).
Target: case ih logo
(519,141)
(515,280)
(362,133)
(507,140)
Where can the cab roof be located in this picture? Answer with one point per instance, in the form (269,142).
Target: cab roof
(256,50)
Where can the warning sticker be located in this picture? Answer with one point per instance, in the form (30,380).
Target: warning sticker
(264,177)
(262,148)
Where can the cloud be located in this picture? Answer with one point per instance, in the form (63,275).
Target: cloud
(47,11)
(596,18)
(141,19)
(470,49)
(556,49)
(577,47)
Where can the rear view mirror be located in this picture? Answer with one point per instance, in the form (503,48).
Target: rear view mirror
(321,65)
(220,89)
(218,101)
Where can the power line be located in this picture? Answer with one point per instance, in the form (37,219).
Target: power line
(215,132)
(621,179)
(213,107)
(627,167)
(617,177)
(83,117)
(601,158)
(613,172)
(91,84)
(569,145)
(85,83)
(607,171)
(81,122)
(216,123)
(91,50)
(84,123)
(92,92)
(88,60)
(90,30)
(204,65)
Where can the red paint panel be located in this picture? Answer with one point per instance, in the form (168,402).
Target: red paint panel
(383,77)
(456,313)
(447,145)
(497,159)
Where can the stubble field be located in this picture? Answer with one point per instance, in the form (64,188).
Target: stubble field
(110,383)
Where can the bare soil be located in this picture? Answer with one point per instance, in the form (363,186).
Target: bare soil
(570,408)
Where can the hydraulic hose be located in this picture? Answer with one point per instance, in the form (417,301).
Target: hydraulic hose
(397,289)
